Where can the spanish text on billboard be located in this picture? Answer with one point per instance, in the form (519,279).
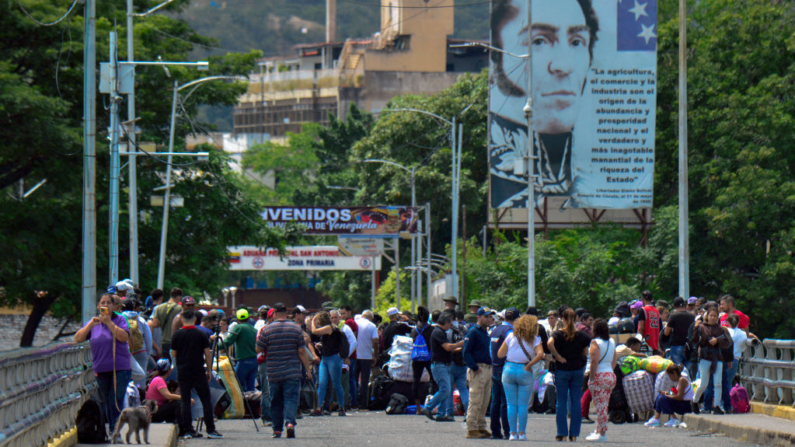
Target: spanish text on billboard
(383,221)
(594,95)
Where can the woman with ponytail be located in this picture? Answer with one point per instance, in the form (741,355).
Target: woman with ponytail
(568,347)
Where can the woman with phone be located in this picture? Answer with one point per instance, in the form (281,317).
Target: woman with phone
(675,401)
(712,339)
(110,357)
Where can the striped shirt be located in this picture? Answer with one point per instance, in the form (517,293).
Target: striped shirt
(281,340)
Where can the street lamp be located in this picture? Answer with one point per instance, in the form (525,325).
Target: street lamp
(161,270)
(397,241)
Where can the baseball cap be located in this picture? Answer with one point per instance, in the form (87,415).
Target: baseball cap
(513,311)
(328,305)
(636,305)
(279,307)
(392,311)
(679,301)
(128,304)
(263,309)
(163,365)
(483,311)
(692,300)
(188,300)
(270,313)
(299,308)
(111,289)
(242,314)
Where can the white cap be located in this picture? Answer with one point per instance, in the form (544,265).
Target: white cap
(392,311)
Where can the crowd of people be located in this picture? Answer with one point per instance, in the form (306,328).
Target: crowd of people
(493,359)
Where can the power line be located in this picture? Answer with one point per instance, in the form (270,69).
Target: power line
(69,11)
(413,7)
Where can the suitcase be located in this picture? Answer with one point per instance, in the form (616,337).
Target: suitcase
(639,390)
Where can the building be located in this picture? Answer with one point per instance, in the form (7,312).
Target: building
(412,54)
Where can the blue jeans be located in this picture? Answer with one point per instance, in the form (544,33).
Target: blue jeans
(331,369)
(265,400)
(499,406)
(709,382)
(112,408)
(284,402)
(246,372)
(354,390)
(568,385)
(728,378)
(518,385)
(441,374)
(458,377)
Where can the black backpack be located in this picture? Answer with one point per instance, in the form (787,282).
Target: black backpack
(91,424)
(345,347)
(397,404)
(381,393)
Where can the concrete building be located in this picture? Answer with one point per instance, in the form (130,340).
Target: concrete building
(412,54)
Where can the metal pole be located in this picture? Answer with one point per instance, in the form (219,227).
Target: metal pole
(428,230)
(464,256)
(413,247)
(89,293)
(131,166)
(684,242)
(161,271)
(113,256)
(397,273)
(418,263)
(458,157)
(454,217)
(372,287)
(531,195)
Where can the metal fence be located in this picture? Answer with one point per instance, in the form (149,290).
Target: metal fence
(41,391)
(767,370)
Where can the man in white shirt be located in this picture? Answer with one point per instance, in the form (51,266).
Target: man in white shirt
(366,355)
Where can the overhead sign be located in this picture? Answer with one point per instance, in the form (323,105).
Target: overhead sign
(594,98)
(300,258)
(378,221)
(361,246)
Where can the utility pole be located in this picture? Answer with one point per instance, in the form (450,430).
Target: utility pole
(455,215)
(89,286)
(428,230)
(161,269)
(132,149)
(413,245)
(684,240)
(531,195)
(114,164)
(464,256)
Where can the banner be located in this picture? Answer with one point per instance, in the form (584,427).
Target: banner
(361,246)
(319,257)
(594,97)
(380,221)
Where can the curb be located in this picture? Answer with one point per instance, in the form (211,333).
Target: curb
(778,411)
(742,433)
(171,438)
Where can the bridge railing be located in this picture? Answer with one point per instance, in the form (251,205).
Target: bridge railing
(41,391)
(767,370)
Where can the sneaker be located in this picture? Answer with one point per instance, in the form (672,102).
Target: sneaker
(290,431)
(195,434)
(448,418)
(522,436)
(267,423)
(653,422)
(513,437)
(326,413)
(672,423)
(316,413)
(596,437)
(342,413)
(717,410)
(214,435)
(185,436)
(277,434)
(426,413)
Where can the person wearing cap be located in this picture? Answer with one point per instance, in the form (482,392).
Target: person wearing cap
(635,308)
(678,324)
(299,316)
(163,318)
(649,323)
(477,355)
(691,305)
(473,307)
(262,313)
(441,358)
(131,311)
(244,338)
(395,328)
(450,303)
(168,403)
(188,303)
(500,428)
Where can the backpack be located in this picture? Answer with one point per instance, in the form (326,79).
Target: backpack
(458,334)
(420,351)
(345,347)
(739,399)
(380,393)
(136,336)
(90,424)
(397,404)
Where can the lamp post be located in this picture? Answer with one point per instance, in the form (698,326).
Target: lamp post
(397,241)
(161,270)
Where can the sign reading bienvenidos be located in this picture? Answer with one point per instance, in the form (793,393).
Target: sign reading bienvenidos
(383,221)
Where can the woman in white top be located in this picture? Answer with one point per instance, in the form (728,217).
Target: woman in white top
(522,351)
(602,379)
(673,403)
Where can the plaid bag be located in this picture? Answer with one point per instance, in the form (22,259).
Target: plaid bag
(639,389)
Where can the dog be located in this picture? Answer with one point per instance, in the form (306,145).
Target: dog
(137,419)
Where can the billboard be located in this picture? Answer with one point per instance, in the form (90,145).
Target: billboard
(361,246)
(318,257)
(594,96)
(374,221)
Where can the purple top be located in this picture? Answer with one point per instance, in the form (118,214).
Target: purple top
(102,351)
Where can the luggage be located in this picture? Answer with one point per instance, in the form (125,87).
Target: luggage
(308,397)
(400,360)
(639,390)
(739,398)
(253,400)
(655,364)
(397,404)
(90,424)
(629,364)
(237,407)
(380,393)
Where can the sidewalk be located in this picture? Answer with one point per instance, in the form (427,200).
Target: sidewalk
(160,435)
(752,428)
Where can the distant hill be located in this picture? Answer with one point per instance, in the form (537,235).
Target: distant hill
(274,26)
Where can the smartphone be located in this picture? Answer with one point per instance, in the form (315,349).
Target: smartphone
(103,311)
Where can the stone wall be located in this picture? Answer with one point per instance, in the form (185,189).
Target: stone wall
(13,325)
